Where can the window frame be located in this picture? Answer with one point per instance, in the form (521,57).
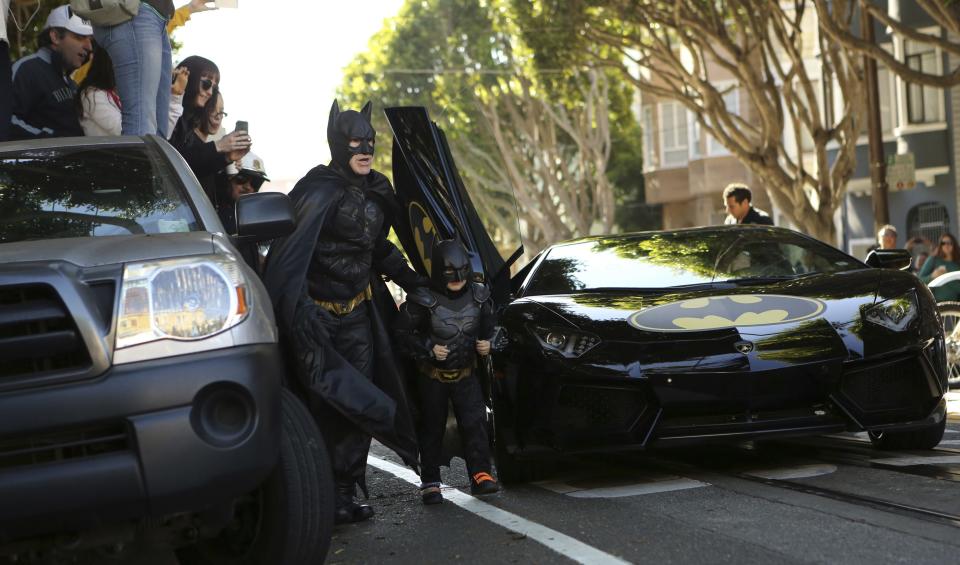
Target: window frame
(677,109)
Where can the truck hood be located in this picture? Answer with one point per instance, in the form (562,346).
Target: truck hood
(111,250)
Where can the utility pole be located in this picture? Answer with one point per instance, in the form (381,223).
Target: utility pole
(878,167)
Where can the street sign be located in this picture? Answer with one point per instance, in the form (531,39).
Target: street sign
(901,173)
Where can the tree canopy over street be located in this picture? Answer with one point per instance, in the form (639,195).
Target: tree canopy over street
(517,132)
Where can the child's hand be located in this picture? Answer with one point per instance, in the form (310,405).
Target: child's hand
(440,352)
(483,347)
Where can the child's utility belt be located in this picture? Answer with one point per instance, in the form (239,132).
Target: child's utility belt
(444,375)
(344,308)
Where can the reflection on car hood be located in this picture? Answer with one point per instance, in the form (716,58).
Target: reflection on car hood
(96,251)
(763,309)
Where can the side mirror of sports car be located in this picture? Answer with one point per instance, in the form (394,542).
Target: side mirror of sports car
(889,259)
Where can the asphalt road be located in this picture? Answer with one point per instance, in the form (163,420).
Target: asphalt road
(827,499)
(814,500)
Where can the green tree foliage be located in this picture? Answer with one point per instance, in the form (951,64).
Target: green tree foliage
(565,144)
(29,15)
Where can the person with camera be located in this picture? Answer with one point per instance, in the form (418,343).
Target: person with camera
(202,116)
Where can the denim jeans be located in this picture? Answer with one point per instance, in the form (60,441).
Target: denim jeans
(6,90)
(140,49)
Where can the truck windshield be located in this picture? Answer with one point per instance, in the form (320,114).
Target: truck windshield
(86,192)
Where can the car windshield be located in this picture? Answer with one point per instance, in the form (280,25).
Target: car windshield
(671,259)
(84,192)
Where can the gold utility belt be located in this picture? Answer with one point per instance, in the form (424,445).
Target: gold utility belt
(444,375)
(344,308)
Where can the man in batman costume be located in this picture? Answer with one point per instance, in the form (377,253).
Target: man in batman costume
(444,328)
(333,307)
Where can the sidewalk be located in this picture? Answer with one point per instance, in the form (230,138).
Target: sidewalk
(953,405)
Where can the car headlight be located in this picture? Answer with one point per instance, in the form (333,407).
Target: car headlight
(895,314)
(181,299)
(567,342)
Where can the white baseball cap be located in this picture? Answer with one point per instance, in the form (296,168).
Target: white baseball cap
(63,16)
(250,164)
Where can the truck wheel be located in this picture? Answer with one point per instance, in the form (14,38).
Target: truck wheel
(289,519)
(924,438)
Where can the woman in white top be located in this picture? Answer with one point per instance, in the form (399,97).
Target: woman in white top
(97,99)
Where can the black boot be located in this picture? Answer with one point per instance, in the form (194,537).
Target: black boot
(349,511)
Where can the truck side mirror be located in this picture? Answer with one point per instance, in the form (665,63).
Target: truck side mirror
(264,216)
(899,259)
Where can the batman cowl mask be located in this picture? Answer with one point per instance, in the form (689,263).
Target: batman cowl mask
(450,263)
(346,125)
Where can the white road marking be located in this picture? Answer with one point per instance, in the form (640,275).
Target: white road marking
(800,472)
(619,488)
(910,461)
(561,543)
(949,442)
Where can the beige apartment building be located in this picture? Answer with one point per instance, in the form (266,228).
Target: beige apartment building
(685,169)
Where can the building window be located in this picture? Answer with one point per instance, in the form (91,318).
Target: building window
(673,134)
(928,220)
(648,152)
(924,103)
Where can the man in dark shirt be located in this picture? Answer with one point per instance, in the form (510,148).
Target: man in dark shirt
(737,198)
(43,92)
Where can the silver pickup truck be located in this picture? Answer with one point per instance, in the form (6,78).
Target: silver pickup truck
(142,397)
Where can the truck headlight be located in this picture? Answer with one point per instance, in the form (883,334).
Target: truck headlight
(895,314)
(181,299)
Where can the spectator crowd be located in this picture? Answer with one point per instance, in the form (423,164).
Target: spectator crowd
(89,78)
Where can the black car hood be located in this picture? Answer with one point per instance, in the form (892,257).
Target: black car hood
(830,327)
(614,314)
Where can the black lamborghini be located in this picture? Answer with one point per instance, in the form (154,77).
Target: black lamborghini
(625,342)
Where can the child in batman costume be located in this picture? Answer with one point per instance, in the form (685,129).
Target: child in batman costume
(334,310)
(444,328)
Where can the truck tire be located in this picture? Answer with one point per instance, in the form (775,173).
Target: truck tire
(289,519)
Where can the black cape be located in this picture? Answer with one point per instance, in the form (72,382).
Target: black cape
(379,407)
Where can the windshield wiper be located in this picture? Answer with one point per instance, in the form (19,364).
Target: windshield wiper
(660,289)
(771,278)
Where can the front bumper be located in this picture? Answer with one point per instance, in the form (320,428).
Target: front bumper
(144,439)
(558,407)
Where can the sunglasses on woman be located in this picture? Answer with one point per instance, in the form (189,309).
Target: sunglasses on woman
(206,84)
(946,242)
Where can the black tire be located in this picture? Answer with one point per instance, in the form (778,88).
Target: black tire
(924,438)
(289,519)
(950,316)
(510,470)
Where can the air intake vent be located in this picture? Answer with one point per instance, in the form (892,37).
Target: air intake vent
(38,337)
(596,409)
(50,447)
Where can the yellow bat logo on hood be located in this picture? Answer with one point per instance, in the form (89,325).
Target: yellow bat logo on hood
(729,311)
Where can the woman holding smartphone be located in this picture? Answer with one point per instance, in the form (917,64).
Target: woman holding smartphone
(202,115)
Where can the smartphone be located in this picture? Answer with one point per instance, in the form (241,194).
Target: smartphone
(226,3)
(242,125)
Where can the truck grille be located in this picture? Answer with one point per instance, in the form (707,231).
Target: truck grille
(50,447)
(38,337)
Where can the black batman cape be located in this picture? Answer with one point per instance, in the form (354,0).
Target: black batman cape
(379,407)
